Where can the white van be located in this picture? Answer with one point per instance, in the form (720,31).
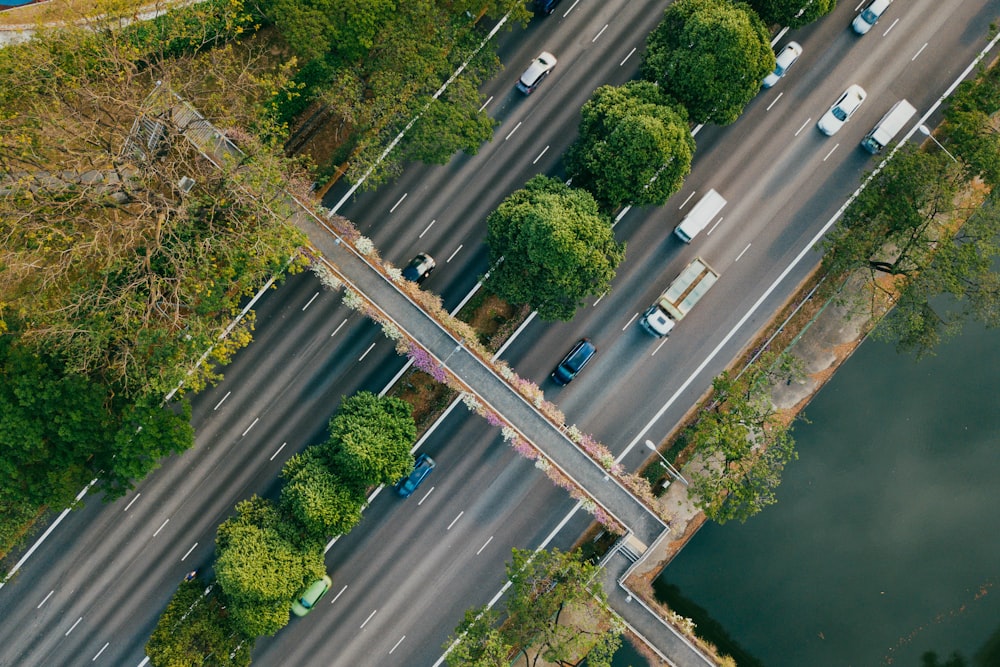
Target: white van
(887,128)
(699,216)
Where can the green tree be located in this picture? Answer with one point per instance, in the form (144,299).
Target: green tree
(557,614)
(479,642)
(370,440)
(61,429)
(930,659)
(744,446)
(970,131)
(963,269)
(260,568)
(711,56)
(892,225)
(556,248)
(633,147)
(449,124)
(317,498)
(346,29)
(195,629)
(792,13)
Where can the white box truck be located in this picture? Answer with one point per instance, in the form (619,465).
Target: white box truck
(699,217)
(680,297)
(888,127)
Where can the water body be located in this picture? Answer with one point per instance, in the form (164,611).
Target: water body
(885,542)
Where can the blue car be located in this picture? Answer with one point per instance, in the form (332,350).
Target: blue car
(574,361)
(423,466)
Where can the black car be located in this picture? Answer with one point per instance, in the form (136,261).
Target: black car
(419,268)
(546,7)
(573,362)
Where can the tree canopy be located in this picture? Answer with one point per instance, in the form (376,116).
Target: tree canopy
(370,441)
(315,496)
(557,614)
(971,130)
(744,445)
(893,224)
(792,13)
(711,56)
(196,629)
(634,148)
(261,567)
(556,248)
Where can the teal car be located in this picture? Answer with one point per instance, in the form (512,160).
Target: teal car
(313,593)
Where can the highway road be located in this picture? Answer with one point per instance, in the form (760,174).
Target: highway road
(92,592)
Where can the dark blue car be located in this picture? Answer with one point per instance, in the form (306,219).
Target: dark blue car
(574,361)
(423,466)
(545,7)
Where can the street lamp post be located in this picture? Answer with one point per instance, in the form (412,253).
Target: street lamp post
(666,464)
(926,131)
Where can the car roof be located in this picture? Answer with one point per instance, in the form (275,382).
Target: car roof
(543,63)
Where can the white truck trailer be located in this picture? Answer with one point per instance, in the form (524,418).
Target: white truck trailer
(680,297)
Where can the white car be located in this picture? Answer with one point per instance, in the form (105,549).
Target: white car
(536,72)
(870,15)
(785,59)
(842,110)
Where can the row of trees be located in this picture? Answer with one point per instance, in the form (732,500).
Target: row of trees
(555,613)
(368,68)
(704,62)
(114,281)
(269,551)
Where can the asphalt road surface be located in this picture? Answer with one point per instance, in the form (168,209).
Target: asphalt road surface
(92,591)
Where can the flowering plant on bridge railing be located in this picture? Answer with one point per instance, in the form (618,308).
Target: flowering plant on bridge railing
(423,360)
(326,276)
